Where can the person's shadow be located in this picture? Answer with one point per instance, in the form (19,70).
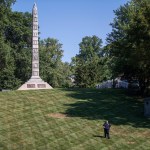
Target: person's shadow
(98,136)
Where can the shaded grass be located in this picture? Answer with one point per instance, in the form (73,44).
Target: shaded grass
(25,123)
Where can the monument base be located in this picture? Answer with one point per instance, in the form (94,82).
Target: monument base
(35,84)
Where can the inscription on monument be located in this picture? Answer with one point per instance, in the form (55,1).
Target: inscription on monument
(35,42)
(35,13)
(35,56)
(35,50)
(35,19)
(41,86)
(30,85)
(35,27)
(35,34)
(35,73)
(35,65)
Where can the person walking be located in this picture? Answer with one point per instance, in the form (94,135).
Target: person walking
(106,126)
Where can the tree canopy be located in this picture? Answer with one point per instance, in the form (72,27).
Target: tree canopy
(128,43)
(88,62)
(126,53)
(52,69)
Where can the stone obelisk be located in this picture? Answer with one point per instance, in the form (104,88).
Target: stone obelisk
(35,82)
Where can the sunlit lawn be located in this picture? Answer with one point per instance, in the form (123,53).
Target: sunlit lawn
(72,119)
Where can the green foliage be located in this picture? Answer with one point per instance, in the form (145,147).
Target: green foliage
(4,13)
(19,30)
(88,62)
(52,69)
(7,67)
(129,41)
(23,64)
(50,54)
(19,34)
(66,76)
(15,46)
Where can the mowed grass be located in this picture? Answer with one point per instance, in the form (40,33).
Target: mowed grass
(72,119)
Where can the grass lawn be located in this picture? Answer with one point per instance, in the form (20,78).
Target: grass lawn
(72,119)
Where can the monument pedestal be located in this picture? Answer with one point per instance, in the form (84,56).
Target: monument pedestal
(35,84)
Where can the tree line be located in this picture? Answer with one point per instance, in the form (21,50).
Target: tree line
(126,53)
(16,48)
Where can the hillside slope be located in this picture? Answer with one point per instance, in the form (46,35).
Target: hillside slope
(71,119)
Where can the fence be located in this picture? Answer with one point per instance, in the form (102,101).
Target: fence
(109,84)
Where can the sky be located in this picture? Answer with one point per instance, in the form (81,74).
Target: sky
(71,20)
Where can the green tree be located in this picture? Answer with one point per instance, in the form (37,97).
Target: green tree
(7,62)
(50,61)
(66,75)
(19,34)
(129,42)
(5,9)
(88,62)
(15,47)
(7,67)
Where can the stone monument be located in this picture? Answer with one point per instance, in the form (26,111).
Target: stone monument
(35,82)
